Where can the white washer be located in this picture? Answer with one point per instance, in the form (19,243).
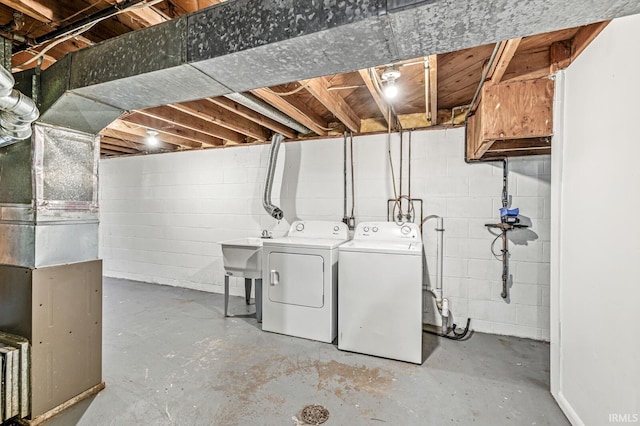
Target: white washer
(300,273)
(380,292)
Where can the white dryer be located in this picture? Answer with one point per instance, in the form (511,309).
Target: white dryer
(300,273)
(380,292)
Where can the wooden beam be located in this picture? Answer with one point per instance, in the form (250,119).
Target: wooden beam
(104,144)
(147,16)
(413,121)
(193,5)
(257,118)
(521,144)
(110,151)
(433,89)
(483,148)
(213,113)
(307,118)
(139,147)
(138,141)
(508,48)
(383,107)
(191,127)
(319,89)
(33,9)
(559,56)
(584,37)
(141,130)
(489,155)
(191,138)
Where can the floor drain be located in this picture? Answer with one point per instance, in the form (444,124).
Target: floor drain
(314,414)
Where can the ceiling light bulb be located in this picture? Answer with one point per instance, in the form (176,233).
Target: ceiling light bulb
(391,90)
(152,137)
(389,76)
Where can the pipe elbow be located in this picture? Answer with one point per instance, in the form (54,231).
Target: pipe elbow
(6,82)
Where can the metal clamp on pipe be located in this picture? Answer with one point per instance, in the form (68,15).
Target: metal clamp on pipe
(273,210)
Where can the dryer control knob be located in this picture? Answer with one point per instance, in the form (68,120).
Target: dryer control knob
(365,229)
(299,227)
(336,228)
(405,230)
(375,229)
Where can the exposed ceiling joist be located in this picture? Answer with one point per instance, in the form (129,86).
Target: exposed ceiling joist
(585,36)
(146,17)
(382,105)
(35,9)
(186,125)
(307,118)
(257,118)
(137,138)
(105,143)
(139,123)
(214,113)
(193,5)
(110,152)
(319,89)
(506,52)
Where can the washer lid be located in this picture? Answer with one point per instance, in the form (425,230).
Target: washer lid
(319,243)
(392,247)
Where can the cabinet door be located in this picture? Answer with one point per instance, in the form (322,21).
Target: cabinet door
(296,279)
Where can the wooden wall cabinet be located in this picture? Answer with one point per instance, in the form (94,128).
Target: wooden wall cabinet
(512,119)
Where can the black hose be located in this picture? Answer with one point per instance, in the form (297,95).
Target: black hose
(456,335)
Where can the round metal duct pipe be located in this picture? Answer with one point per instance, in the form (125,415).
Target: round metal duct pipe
(257,105)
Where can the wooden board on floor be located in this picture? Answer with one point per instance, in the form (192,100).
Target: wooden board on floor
(60,408)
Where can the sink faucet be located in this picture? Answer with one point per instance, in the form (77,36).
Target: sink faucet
(266,234)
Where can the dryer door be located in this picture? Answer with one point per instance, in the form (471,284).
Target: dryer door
(296,279)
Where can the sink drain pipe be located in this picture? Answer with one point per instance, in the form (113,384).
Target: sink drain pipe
(442,303)
(273,210)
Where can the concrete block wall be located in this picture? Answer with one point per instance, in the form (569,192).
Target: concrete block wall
(163,216)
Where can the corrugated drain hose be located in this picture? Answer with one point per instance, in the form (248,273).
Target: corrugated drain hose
(273,210)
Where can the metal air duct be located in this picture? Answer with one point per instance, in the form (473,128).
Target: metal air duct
(258,106)
(273,210)
(17,111)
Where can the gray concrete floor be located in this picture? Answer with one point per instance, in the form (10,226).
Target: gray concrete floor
(171,358)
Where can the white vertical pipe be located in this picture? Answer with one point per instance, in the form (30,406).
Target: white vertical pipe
(439,258)
(437,291)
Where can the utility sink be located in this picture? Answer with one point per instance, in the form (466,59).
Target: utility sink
(243,257)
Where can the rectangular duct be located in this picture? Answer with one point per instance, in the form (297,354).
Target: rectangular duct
(49,199)
(248,44)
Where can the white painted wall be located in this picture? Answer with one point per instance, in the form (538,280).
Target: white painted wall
(163,216)
(595,342)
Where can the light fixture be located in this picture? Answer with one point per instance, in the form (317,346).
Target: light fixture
(152,138)
(389,76)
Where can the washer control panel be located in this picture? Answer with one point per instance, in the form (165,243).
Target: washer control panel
(387,231)
(319,229)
